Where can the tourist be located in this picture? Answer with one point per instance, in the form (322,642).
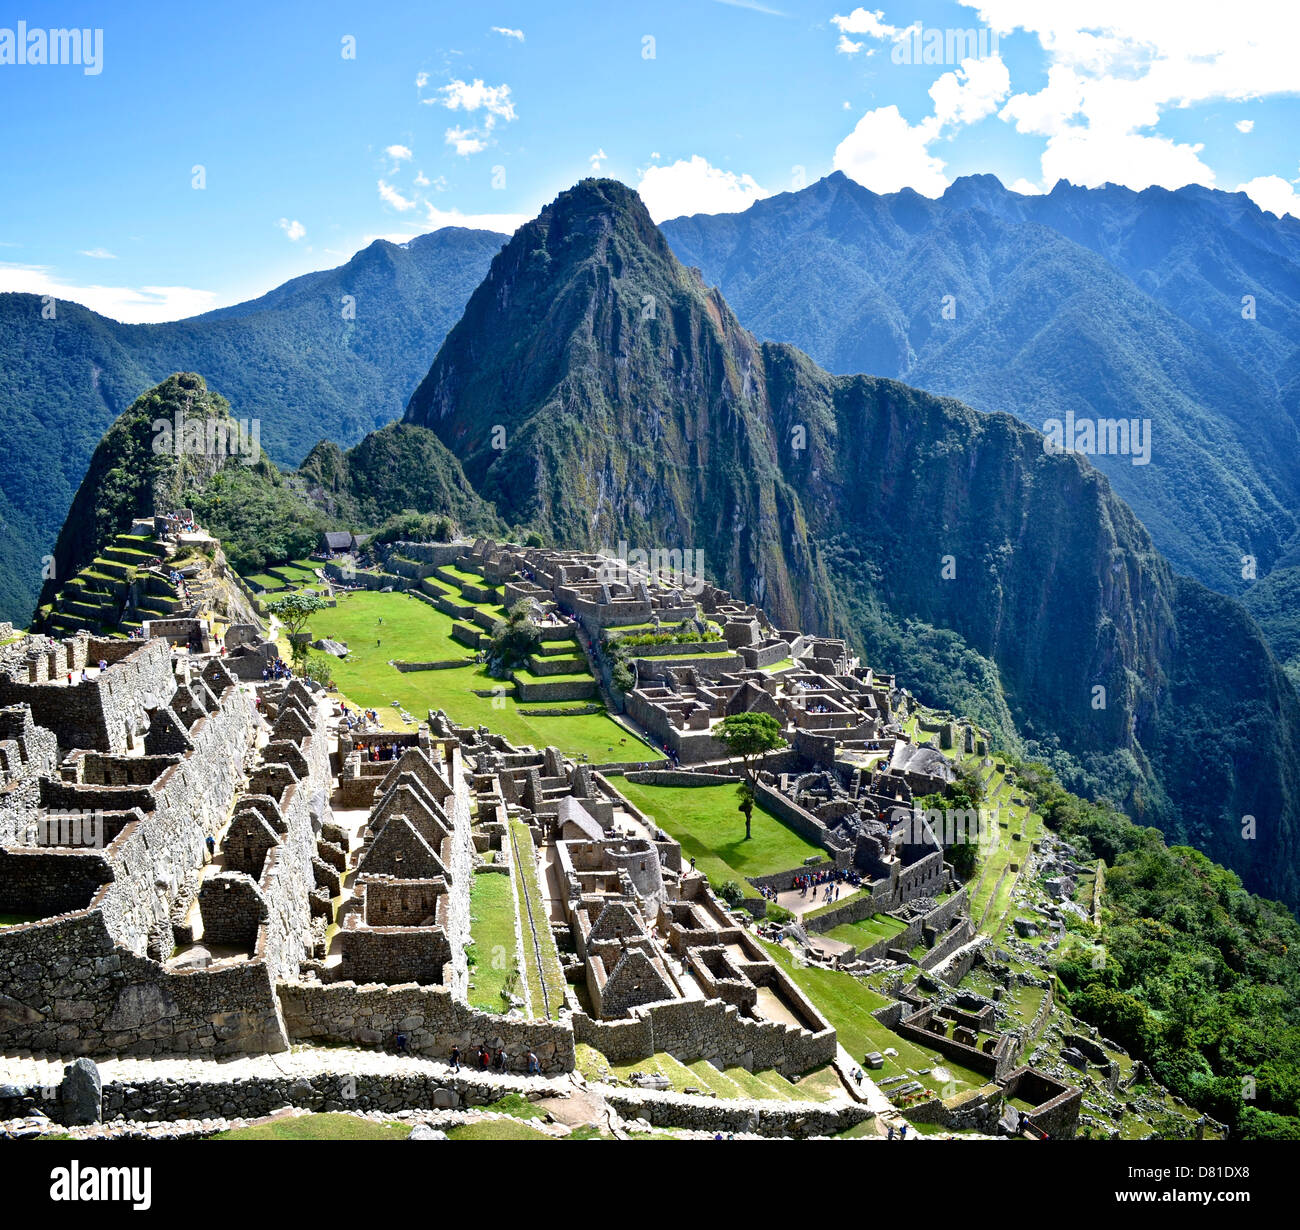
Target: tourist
(211,844)
(499,1061)
(455,1059)
(534,1067)
(902,1132)
(401,1044)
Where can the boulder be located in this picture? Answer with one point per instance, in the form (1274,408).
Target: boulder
(81,1093)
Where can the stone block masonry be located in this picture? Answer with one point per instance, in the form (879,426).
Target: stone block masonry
(430,1017)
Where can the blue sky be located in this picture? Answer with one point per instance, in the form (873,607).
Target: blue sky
(479,114)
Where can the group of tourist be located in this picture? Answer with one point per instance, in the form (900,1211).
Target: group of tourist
(497,1061)
(828,882)
(377,751)
(279,669)
(85,674)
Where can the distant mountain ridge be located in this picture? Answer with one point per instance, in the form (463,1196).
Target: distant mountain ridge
(1106,302)
(298,359)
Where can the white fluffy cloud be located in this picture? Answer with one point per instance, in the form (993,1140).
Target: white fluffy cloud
(99,254)
(475,96)
(465,141)
(399,153)
(885,153)
(971,92)
(596,159)
(506,32)
(1117,66)
(130,304)
(1273,193)
(694,186)
(294,229)
(390,196)
(1245,125)
(865,21)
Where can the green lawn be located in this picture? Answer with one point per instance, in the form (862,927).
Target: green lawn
(492,928)
(413,631)
(818,1086)
(847,1004)
(318,1127)
(706,821)
(868,931)
(497,1129)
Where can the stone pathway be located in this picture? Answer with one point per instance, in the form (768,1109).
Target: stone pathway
(22,1068)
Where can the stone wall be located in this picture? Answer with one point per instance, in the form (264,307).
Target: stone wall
(431,1018)
(65,988)
(797,1120)
(708,1029)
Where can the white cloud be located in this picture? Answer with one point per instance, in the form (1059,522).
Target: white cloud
(694,186)
(99,254)
(1245,125)
(864,21)
(399,153)
(847,47)
(507,224)
(1095,156)
(506,32)
(1273,193)
(1025,188)
(475,96)
(131,304)
(1116,67)
(596,159)
(885,153)
(971,92)
(465,141)
(421,80)
(295,229)
(421,179)
(391,196)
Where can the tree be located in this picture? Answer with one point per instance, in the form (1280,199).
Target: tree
(513,640)
(293,610)
(751,736)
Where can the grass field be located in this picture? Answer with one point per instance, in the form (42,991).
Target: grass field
(818,1086)
(868,931)
(706,821)
(848,1004)
(318,1127)
(492,928)
(413,631)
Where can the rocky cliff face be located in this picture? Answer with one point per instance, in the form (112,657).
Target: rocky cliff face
(596,390)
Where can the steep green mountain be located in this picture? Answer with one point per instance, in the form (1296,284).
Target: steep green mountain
(302,360)
(1103,302)
(596,390)
(142,469)
(394,469)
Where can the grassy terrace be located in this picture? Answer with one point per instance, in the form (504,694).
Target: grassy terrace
(496,951)
(868,931)
(818,1086)
(705,820)
(847,1004)
(318,1127)
(413,631)
(545,980)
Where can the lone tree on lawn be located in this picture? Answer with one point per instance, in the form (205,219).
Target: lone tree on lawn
(294,610)
(751,736)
